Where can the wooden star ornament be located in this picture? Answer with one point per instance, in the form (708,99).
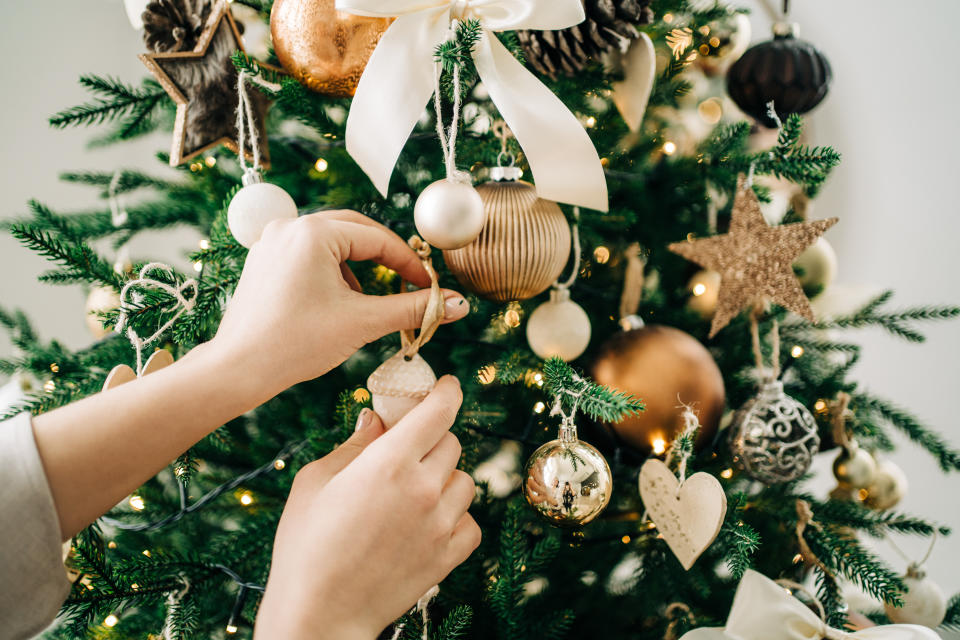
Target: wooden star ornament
(754,260)
(203,84)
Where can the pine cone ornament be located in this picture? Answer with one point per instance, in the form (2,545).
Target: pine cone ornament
(568,51)
(174,25)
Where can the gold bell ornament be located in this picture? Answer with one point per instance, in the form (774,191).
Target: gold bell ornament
(405,378)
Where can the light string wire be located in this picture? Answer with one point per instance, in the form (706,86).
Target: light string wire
(183,304)
(285,454)
(448,138)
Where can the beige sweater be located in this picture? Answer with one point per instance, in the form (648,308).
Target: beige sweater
(33,583)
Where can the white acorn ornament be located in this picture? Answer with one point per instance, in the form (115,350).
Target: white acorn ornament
(449,213)
(924,602)
(559,327)
(255,206)
(888,488)
(398,385)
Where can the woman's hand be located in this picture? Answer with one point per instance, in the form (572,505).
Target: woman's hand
(298,311)
(371,527)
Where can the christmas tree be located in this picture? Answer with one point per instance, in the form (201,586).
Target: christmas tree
(657,351)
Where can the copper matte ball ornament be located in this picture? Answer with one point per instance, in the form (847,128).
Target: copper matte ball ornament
(523,247)
(324,49)
(663,367)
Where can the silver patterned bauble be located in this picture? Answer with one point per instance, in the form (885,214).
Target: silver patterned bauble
(449,214)
(774,437)
(567,481)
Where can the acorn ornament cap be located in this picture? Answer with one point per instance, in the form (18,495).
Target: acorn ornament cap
(398,385)
(255,206)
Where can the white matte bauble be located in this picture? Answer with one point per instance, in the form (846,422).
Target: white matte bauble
(818,264)
(888,488)
(398,385)
(924,602)
(449,214)
(854,467)
(135,9)
(254,207)
(704,288)
(559,327)
(100,300)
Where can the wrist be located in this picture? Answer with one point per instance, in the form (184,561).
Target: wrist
(306,621)
(234,374)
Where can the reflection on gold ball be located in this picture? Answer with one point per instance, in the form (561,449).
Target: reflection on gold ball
(663,367)
(325,49)
(568,482)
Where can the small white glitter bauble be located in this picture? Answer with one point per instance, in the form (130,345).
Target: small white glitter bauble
(818,264)
(449,214)
(924,602)
(559,327)
(100,300)
(398,385)
(254,207)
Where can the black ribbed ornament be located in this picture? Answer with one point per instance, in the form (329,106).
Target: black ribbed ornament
(790,72)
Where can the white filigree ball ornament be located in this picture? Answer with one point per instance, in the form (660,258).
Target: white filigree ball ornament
(559,327)
(398,385)
(567,481)
(449,214)
(924,602)
(774,437)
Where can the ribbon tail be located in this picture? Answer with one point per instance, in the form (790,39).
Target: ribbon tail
(390,99)
(562,157)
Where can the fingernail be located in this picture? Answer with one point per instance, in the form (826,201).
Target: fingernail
(364,420)
(455,307)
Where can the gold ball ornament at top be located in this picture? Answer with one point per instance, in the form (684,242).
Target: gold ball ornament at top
(663,367)
(523,247)
(324,49)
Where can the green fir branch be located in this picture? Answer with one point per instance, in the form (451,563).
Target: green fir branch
(456,625)
(116,100)
(844,555)
(76,258)
(947,457)
(597,401)
(828,593)
(952,620)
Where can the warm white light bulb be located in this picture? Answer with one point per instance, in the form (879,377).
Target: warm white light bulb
(137,502)
(111,620)
(321,165)
(659,445)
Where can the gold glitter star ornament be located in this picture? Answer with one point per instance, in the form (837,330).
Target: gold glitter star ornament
(754,260)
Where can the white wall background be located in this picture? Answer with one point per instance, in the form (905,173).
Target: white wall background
(891,111)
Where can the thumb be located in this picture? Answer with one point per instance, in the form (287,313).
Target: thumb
(320,472)
(400,311)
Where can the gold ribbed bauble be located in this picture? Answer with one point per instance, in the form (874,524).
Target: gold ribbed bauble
(323,48)
(663,367)
(522,248)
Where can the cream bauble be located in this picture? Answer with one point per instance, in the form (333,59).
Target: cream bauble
(923,603)
(255,206)
(818,265)
(888,488)
(100,300)
(398,385)
(854,467)
(449,214)
(704,288)
(559,327)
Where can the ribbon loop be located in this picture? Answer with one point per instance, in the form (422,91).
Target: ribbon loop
(562,157)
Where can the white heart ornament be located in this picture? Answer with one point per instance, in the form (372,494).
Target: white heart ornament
(639,65)
(688,517)
(122,374)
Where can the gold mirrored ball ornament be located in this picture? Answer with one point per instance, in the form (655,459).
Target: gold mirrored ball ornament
(567,481)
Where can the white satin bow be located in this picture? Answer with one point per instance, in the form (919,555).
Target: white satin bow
(399,80)
(763,610)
